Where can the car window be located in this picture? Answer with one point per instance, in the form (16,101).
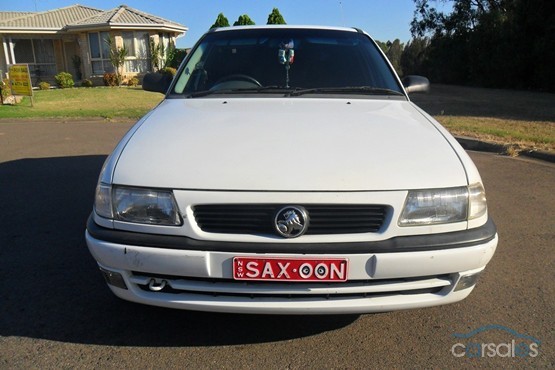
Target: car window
(284,58)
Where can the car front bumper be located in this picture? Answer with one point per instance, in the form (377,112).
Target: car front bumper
(196,278)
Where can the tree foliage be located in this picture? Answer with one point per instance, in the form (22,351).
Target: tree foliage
(117,58)
(393,51)
(275,17)
(382,45)
(156,54)
(493,43)
(414,56)
(221,21)
(244,20)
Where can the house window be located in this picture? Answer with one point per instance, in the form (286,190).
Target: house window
(100,52)
(137,44)
(165,40)
(38,54)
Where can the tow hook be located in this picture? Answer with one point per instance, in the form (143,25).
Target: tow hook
(157,285)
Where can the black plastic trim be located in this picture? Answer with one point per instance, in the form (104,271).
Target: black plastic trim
(429,242)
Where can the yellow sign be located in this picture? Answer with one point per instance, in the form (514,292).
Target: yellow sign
(20,79)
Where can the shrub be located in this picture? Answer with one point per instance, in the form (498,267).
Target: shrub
(87,83)
(133,82)
(177,58)
(64,80)
(44,85)
(110,79)
(5,88)
(169,71)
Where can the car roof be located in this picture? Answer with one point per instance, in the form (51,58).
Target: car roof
(282,26)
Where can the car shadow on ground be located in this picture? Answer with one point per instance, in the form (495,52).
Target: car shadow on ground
(50,287)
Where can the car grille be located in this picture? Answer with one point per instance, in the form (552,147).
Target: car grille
(259,289)
(259,218)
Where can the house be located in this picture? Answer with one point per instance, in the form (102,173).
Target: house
(75,39)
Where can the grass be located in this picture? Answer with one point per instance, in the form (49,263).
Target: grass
(105,102)
(521,135)
(520,119)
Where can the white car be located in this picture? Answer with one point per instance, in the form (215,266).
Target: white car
(287,172)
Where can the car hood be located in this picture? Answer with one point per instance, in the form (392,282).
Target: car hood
(289,144)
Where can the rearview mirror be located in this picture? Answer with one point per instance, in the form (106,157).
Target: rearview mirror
(414,84)
(157,82)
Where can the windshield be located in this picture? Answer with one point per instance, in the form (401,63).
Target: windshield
(304,61)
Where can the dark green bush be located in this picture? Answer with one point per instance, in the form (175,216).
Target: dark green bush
(64,80)
(87,83)
(110,79)
(44,85)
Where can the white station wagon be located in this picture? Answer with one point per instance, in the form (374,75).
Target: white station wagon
(287,172)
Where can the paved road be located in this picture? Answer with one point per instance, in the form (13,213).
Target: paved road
(55,310)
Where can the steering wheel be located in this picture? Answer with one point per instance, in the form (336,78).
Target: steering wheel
(236,81)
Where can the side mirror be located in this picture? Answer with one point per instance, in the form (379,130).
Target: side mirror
(157,82)
(414,84)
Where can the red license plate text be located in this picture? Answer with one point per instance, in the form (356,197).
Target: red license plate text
(290,269)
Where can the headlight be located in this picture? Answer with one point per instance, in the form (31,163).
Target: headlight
(441,206)
(137,205)
(436,206)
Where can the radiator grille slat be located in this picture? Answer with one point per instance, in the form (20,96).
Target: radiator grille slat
(259,218)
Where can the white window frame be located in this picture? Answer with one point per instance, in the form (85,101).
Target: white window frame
(136,46)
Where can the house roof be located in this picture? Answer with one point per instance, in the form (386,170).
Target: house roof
(55,19)
(126,17)
(79,17)
(4,16)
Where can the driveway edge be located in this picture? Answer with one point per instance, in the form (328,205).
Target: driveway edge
(469,143)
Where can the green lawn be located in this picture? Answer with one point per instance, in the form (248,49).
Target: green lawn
(105,102)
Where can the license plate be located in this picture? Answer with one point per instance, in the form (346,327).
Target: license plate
(290,269)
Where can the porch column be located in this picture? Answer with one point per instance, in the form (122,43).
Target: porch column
(11,51)
(6,55)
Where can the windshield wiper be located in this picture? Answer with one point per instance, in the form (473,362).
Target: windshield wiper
(248,90)
(346,90)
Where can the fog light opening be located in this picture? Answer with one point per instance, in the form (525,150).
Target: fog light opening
(113,278)
(467,281)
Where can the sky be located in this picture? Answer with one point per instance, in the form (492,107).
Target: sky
(383,19)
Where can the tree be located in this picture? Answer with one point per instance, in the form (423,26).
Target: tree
(382,45)
(414,56)
(394,52)
(156,55)
(492,43)
(275,17)
(117,58)
(221,21)
(465,16)
(244,20)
